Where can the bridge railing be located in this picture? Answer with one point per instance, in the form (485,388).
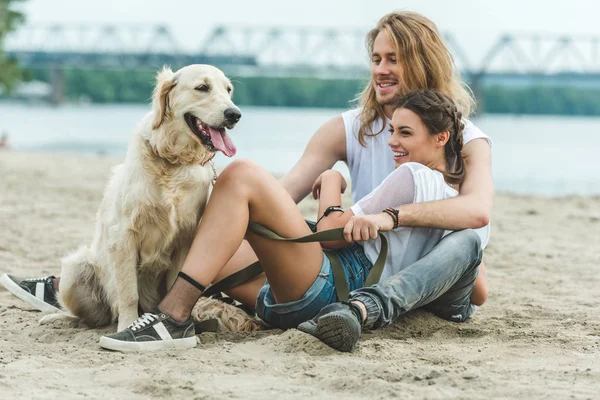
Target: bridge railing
(90,38)
(282,50)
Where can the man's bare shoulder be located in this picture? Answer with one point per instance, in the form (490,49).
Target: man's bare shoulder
(331,138)
(334,125)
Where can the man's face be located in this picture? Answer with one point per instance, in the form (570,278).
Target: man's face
(386,71)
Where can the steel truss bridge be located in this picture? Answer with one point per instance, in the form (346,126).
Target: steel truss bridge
(513,59)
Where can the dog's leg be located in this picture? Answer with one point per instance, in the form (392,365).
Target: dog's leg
(124,264)
(171,275)
(151,289)
(177,262)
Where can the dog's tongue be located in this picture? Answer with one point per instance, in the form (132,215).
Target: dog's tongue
(222,141)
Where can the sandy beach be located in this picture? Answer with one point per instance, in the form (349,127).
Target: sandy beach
(538,336)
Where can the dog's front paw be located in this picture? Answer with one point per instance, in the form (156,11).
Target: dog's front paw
(67,319)
(123,325)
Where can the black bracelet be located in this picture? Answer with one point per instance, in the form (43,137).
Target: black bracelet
(329,210)
(391,216)
(392,212)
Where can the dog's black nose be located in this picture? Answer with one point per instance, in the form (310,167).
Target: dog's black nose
(232,114)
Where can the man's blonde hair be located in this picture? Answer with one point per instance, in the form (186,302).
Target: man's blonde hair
(426,61)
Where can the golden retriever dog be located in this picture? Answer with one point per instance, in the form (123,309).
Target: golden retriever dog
(153,201)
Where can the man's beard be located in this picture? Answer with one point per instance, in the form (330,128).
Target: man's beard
(392,100)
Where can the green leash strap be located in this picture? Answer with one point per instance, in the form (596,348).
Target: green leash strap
(208,325)
(235,279)
(339,275)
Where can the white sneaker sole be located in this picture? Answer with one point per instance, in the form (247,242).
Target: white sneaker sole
(27,297)
(127,347)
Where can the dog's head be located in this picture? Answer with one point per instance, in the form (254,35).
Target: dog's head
(192,109)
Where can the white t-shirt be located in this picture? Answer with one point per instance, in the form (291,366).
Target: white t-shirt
(409,183)
(370,165)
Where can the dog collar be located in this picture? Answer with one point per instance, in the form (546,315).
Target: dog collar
(212,165)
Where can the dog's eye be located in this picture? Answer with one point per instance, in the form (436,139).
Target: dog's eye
(229,89)
(203,88)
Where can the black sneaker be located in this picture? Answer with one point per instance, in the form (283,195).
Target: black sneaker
(338,325)
(155,330)
(37,292)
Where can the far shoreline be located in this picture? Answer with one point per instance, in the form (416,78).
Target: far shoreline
(108,160)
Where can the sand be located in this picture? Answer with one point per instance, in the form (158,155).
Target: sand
(538,335)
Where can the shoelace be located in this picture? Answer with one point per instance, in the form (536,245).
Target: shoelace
(142,321)
(35,280)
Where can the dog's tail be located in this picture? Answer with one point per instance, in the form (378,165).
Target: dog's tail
(81,291)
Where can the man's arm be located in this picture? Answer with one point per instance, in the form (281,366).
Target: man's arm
(471,208)
(325,148)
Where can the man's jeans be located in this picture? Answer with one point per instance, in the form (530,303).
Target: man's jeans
(440,282)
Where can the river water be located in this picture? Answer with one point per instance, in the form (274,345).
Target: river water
(542,155)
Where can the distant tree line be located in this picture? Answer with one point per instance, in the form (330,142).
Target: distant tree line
(10,74)
(541,100)
(110,86)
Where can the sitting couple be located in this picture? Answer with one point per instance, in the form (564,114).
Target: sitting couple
(416,178)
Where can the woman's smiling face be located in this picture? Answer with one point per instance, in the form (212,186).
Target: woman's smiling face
(411,141)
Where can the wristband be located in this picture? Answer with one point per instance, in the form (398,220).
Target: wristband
(329,210)
(392,212)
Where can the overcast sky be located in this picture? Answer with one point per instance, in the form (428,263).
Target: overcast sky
(475,23)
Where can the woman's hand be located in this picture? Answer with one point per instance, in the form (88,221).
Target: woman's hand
(328,175)
(367,227)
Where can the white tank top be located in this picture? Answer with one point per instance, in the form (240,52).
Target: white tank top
(370,165)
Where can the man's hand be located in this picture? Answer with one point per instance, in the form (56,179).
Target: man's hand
(327,176)
(367,227)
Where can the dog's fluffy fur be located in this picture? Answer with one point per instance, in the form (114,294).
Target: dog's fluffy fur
(230,318)
(152,203)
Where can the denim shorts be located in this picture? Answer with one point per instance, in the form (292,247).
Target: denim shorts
(321,293)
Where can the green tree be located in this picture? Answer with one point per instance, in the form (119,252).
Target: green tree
(10,74)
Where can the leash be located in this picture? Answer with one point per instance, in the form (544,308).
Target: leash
(255,269)
(339,275)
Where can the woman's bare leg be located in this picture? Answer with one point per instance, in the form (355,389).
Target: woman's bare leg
(246,192)
(247,292)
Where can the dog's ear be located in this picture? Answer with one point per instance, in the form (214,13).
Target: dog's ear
(165,81)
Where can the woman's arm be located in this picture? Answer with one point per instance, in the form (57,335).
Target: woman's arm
(399,187)
(471,208)
(328,188)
